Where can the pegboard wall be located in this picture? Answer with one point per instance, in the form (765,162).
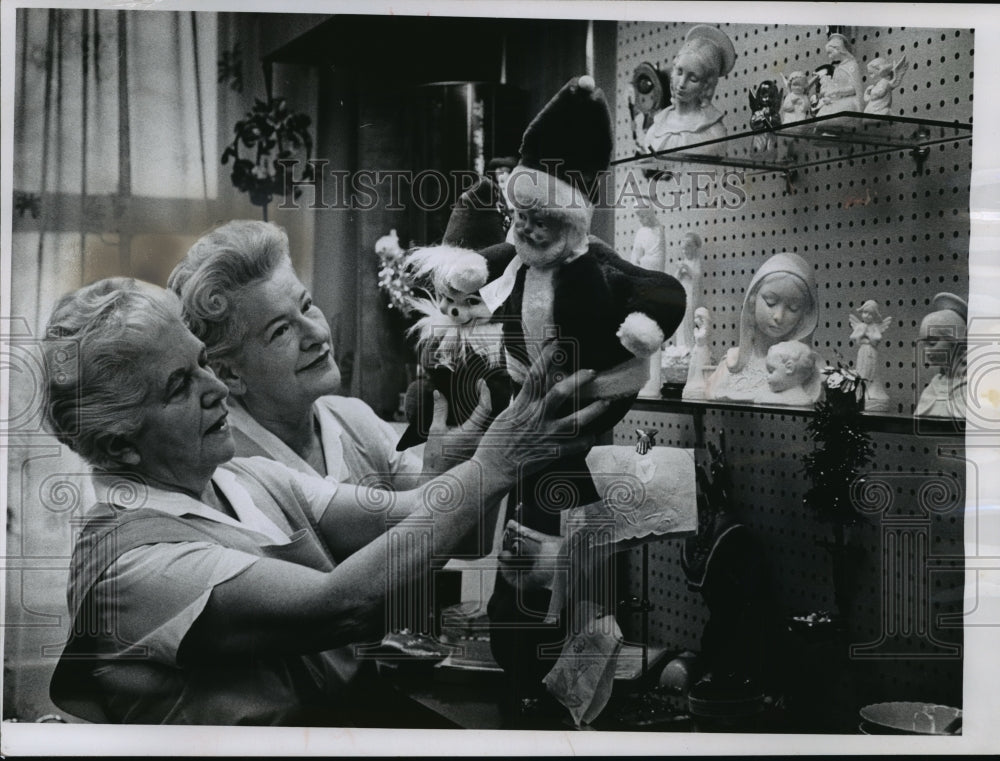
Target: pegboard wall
(872,228)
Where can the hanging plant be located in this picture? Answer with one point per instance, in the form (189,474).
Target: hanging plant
(268,134)
(843,449)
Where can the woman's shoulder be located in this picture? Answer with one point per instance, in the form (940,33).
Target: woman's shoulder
(355,417)
(346,407)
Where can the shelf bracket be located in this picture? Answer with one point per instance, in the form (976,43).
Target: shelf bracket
(790,176)
(920,155)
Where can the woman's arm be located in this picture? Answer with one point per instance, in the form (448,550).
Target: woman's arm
(279,606)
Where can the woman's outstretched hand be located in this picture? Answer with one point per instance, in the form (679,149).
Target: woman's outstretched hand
(446,447)
(530,431)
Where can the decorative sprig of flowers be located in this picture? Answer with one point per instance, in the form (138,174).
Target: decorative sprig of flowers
(269,132)
(844,381)
(394,279)
(843,447)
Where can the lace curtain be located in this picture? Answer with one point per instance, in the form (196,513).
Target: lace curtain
(115,146)
(116,149)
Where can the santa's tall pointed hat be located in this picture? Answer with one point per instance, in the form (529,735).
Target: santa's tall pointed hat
(565,152)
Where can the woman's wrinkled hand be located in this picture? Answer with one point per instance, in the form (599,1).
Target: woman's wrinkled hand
(446,447)
(529,433)
(530,559)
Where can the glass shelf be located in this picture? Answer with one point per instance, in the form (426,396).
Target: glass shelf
(872,421)
(811,142)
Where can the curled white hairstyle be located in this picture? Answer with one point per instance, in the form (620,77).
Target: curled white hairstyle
(97,341)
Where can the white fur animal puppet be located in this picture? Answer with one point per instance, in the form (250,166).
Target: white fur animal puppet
(457,342)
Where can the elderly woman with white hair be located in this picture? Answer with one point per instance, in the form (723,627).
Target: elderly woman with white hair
(209,590)
(270,344)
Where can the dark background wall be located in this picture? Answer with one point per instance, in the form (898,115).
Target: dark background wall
(371,73)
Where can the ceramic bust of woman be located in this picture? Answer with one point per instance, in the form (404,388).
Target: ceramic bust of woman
(706,55)
(841,91)
(942,339)
(780,305)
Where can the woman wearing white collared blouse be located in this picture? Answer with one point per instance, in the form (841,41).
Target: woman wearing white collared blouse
(207,590)
(271,346)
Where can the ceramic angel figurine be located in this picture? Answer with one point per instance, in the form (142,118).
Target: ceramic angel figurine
(797,105)
(676,355)
(649,251)
(706,55)
(842,90)
(649,246)
(884,77)
(867,331)
(942,338)
(780,305)
(689,275)
(701,357)
(793,376)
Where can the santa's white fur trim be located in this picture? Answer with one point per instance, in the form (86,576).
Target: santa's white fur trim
(640,334)
(460,269)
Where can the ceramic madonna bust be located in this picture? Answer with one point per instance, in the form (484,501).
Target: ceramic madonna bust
(942,340)
(706,55)
(780,305)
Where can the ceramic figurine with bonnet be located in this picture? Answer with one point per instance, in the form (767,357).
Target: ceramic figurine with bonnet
(706,55)
(942,346)
(701,357)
